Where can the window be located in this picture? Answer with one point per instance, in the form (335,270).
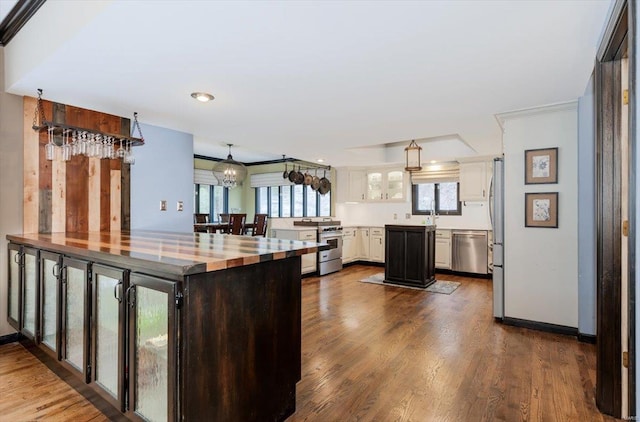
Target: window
(210,199)
(442,198)
(292,201)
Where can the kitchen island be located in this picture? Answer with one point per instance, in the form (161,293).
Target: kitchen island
(166,326)
(410,255)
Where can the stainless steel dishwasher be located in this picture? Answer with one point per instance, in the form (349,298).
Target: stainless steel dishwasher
(469,251)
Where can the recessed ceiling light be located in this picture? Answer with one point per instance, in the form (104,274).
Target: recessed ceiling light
(202,96)
(320,160)
(433,161)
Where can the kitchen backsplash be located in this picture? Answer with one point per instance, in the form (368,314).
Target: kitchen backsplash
(475,215)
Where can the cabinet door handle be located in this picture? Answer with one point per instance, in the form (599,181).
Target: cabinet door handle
(363,196)
(131,296)
(17,258)
(483,193)
(63,274)
(116,291)
(380,196)
(56,268)
(387,196)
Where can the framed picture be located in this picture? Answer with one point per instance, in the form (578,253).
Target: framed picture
(541,209)
(541,166)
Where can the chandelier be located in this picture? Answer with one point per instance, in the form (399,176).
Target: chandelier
(230,173)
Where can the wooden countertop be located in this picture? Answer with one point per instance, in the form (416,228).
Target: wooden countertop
(169,253)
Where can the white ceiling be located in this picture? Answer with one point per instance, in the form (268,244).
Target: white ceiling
(311,79)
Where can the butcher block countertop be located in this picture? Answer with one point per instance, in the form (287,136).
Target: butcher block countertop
(166,253)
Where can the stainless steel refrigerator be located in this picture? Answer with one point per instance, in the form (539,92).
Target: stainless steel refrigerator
(496,207)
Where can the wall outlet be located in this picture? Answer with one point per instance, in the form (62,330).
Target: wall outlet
(163,205)
(407,216)
(395,216)
(180,206)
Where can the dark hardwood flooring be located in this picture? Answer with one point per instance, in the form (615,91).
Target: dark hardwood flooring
(381,353)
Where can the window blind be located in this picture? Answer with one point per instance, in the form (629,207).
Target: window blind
(262,180)
(204,177)
(437,173)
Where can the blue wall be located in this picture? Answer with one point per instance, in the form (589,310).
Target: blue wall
(586,213)
(163,171)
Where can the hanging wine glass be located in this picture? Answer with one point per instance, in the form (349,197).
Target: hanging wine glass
(50,147)
(66,147)
(129,158)
(121,152)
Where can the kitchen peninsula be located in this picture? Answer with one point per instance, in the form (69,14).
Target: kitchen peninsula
(166,326)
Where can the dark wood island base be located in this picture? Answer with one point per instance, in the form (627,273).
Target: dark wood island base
(410,255)
(166,326)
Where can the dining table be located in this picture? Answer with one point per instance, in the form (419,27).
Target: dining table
(217,226)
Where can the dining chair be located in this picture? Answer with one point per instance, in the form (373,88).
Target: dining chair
(200,219)
(224,218)
(236,224)
(260,225)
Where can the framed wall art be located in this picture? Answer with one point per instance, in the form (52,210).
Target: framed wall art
(541,166)
(541,209)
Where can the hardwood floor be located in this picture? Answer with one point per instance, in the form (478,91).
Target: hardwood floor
(381,353)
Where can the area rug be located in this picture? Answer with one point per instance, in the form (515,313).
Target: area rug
(440,286)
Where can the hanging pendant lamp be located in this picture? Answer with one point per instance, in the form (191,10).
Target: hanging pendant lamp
(230,173)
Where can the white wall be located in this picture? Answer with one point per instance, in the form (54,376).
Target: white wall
(11,167)
(586,213)
(163,171)
(540,264)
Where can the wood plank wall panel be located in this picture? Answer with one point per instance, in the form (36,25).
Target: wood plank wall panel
(82,194)
(31,201)
(59,195)
(115,200)
(95,193)
(105,196)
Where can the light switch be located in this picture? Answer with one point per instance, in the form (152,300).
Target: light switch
(180,206)
(163,205)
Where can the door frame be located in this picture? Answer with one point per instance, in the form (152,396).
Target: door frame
(618,40)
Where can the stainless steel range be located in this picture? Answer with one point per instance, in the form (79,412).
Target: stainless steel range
(329,232)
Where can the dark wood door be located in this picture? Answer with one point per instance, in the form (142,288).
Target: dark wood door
(108,333)
(415,257)
(394,255)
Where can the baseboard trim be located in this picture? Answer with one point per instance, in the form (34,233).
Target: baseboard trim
(11,338)
(369,263)
(587,338)
(541,326)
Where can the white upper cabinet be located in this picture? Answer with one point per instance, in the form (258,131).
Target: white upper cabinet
(473,182)
(357,185)
(386,185)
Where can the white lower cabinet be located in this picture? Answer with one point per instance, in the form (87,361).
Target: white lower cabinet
(309,260)
(443,249)
(376,244)
(349,246)
(362,240)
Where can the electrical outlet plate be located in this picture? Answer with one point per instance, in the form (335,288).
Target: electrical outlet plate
(180,206)
(163,205)
(407,216)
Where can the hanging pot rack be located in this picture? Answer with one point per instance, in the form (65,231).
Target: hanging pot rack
(59,129)
(305,165)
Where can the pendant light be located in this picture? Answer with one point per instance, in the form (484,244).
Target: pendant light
(230,173)
(412,153)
